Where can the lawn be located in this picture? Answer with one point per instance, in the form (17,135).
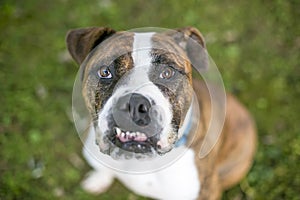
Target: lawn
(255,45)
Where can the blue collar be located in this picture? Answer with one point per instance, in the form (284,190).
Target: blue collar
(188,128)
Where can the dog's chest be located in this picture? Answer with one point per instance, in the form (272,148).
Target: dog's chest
(177,181)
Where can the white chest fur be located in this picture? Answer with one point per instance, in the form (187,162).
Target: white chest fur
(177,181)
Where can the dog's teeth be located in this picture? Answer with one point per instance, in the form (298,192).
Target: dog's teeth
(118,131)
(123,135)
(130,136)
(140,137)
(143,136)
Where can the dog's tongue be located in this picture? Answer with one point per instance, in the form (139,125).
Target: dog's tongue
(131,136)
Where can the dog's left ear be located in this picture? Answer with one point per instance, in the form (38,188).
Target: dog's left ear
(192,41)
(81,42)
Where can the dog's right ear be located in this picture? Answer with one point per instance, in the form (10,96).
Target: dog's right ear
(80,42)
(192,41)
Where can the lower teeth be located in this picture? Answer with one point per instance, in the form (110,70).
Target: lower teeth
(127,136)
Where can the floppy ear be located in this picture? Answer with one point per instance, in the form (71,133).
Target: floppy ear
(81,42)
(192,41)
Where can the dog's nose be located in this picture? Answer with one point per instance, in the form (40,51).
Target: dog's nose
(139,107)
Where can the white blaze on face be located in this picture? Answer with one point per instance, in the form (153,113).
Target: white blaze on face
(141,54)
(141,49)
(137,81)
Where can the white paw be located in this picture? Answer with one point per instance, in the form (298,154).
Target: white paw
(97,182)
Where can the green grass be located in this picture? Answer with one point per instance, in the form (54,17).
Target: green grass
(255,44)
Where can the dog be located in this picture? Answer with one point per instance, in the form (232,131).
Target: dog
(140,104)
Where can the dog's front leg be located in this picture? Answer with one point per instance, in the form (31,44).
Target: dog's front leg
(97,181)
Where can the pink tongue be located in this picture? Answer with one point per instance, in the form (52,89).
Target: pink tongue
(126,138)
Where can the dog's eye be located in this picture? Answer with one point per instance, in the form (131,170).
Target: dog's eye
(167,73)
(104,72)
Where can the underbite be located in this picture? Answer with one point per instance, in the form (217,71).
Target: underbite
(133,141)
(125,136)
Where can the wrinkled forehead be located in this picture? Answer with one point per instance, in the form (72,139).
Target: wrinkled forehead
(168,51)
(158,46)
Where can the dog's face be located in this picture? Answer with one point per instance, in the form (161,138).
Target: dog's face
(137,86)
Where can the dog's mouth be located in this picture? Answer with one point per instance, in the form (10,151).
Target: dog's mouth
(135,125)
(133,141)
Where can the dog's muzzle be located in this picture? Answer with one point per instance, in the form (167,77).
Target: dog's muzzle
(136,123)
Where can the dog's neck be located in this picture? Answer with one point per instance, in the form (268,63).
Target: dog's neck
(188,125)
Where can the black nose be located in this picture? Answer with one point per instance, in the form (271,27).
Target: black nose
(139,107)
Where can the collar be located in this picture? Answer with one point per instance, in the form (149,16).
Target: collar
(191,119)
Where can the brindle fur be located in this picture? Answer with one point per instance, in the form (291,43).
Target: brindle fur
(231,157)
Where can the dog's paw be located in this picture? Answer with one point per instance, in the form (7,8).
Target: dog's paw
(97,182)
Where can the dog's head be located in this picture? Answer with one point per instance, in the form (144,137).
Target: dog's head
(137,86)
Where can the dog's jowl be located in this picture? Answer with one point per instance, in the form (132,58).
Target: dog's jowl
(145,107)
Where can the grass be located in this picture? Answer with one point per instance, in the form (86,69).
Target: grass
(255,45)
